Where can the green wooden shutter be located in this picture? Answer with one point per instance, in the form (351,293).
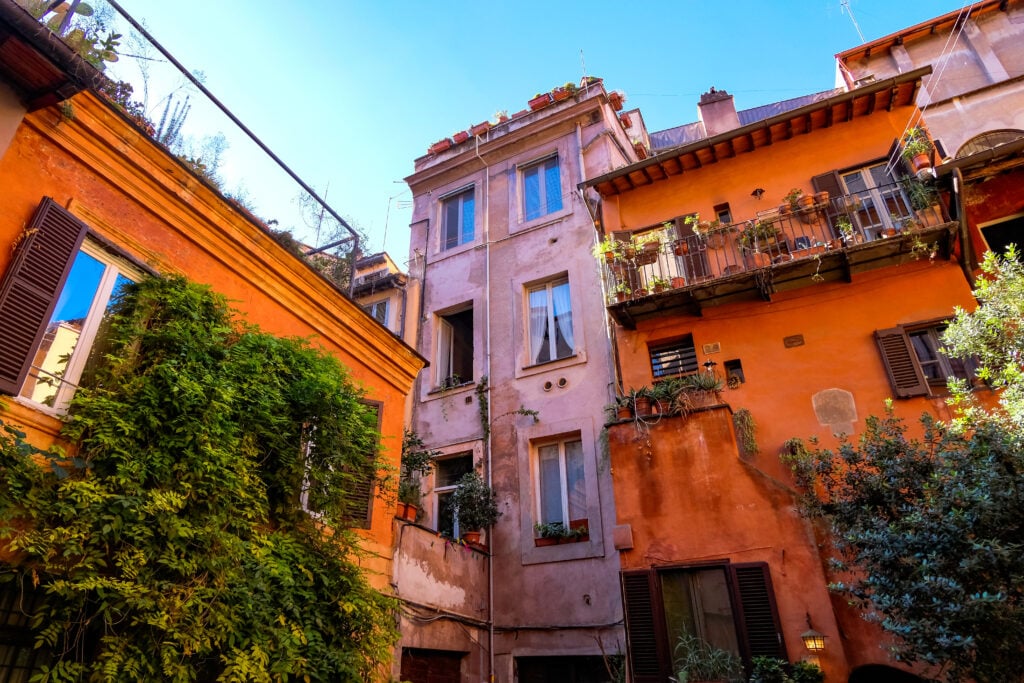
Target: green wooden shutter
(642,640)
(901,364)
(761,630)
(31,285)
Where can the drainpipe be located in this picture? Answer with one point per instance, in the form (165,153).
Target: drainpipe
(967,254)
(487,366)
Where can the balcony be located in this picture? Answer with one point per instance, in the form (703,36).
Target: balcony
(827,239)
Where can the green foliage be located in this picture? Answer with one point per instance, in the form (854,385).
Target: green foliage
(559,530)
(772,670)
(475,502)
(807,672)
(746,430)
(994,334)
(697,660)
(929,539)
(417,461)
(174,541)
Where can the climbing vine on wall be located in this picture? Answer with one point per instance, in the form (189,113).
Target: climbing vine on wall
(174,545)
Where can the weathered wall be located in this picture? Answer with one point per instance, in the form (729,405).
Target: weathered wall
(689,498)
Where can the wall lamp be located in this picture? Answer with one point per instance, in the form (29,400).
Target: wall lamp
(813,641)
(756,194)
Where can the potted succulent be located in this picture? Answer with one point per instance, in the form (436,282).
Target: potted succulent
(475,505)
(917,148)
(641,400)
(698,390)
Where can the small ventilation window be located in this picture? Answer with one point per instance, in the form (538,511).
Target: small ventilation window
(675,358)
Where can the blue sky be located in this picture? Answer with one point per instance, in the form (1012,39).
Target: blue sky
(349,94)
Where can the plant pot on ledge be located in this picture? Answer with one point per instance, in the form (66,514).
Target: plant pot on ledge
(472,537)
(460,137)
(540,101)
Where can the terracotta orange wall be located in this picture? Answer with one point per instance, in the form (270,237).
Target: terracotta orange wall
(130,192)
(837,322)
(689,498)
(776,169)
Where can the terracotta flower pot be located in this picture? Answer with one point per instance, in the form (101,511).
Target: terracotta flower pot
(480,128)
(678,282)
(805,201)
(540,101)
(460,137)
(471,537)
(920,161)
(440,146)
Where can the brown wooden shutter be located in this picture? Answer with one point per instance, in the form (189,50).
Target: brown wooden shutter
(31,285)
(359,502)
(756,611)
(642,640)
(901,364)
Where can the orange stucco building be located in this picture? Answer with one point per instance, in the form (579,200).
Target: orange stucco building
(134,208)
(814,310)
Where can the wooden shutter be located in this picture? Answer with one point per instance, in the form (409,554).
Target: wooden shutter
(761,630)
(830,182)
(359,501)
(901,364)
(31,285)
(642,641)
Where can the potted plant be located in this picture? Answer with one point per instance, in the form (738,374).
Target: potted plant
(539,101)
(924,199)
(616,98)
(641,401)
(659,284)
(440,146)
(646,248)
(845,228)
(698,390)
(620,409)
(621,291)
(792,199)
(640,148)
(759,235)
(609,249)
(480,128)
(417,461)
(917,148)
(500,116)
(475,505)
(697,660)
(460,137)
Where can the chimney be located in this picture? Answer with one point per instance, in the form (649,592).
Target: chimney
(717,112)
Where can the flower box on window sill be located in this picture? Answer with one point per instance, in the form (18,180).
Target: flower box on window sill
(480,128)
(540,101)
(577,533)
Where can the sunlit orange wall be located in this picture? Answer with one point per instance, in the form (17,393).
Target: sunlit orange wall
(775,169)
(133,194)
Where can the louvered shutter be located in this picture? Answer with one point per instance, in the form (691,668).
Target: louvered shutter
(829,182)
(641,627)
(31,285)
(901,364)
(757,614)
(359,501)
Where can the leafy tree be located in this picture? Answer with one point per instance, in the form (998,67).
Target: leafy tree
(170,542)
(927,532)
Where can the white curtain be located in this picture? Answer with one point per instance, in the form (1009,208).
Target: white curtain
(538,324)
(563,314)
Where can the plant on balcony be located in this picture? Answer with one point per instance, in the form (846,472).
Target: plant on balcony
(476,505)
(792,198)
(845,228)
(711,232)
(917,148)
(757,236)
(539,101)
(646,248)
(641,400)
(659,284)
(621,291)
(608,249)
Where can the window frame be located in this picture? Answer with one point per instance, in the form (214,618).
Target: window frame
(545,207)
(903,365)
(447,490)
(563,482)
(447,241)
(446,343)
(371,307)
(30,290)
(673,345)
(550,321)
(755,613)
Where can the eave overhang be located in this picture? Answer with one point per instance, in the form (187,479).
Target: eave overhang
(899,91)
(37,64)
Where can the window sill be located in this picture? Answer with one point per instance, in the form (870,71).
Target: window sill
(438,392)
(560,540)
(542,221)
(575,359)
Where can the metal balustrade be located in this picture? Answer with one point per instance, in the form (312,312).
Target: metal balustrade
(768,240)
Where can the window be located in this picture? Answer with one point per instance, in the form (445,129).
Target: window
(542,189)
(52,300)
(730,606)
(914,362)
(560,485)
(1004,232)
(454,362)
(457,221)
(19,658)
(723,213)
(357,481)
(378,310)
(674,358)
(877,201)
(550,322)
(447,472)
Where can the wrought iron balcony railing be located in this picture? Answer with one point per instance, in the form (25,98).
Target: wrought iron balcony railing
(822,225)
